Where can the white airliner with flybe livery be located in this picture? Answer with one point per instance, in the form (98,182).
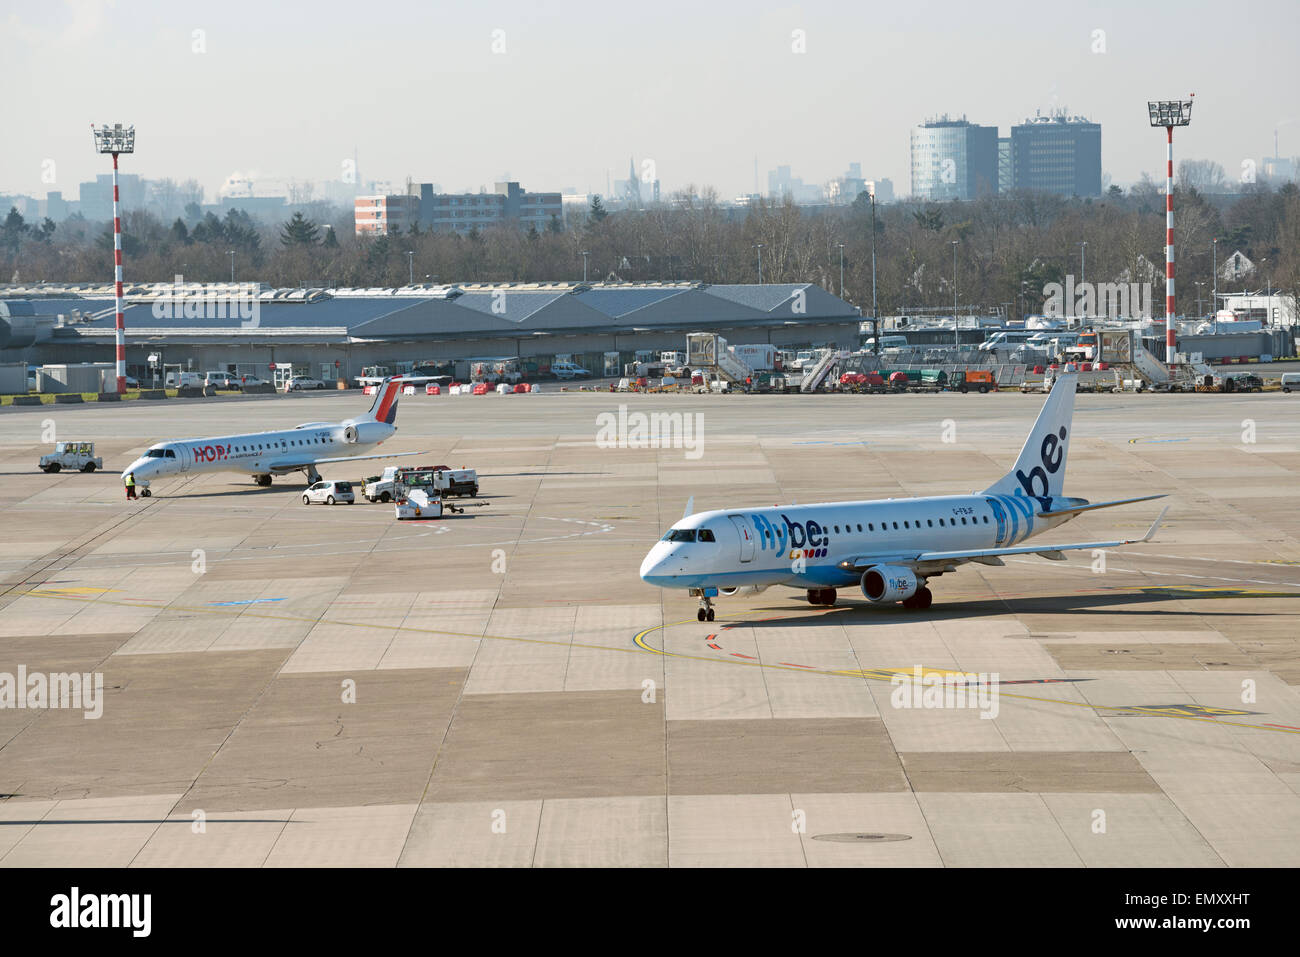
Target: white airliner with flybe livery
(264,454)
(889,548)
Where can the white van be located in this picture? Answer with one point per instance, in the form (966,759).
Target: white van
(1005,339)
(1290,380)
(179,380)
(886,342)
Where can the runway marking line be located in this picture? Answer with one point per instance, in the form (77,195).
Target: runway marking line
(639,645)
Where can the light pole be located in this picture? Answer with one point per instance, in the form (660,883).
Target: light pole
(874,315)
(1199,286)
(585,254)
(1214,251)
(956,338)
(410,267)
(1169,113)
(1083,275)
(841,245)
(231,254)
(117,140)
(759,247)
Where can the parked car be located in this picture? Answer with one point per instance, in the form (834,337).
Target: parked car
(569,370)
(1290,380)
(330,493)
(221,380)
(247,380)
(299,383)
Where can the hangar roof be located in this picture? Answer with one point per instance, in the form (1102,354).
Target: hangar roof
(505,310)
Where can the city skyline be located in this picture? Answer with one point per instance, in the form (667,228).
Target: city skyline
(507,100)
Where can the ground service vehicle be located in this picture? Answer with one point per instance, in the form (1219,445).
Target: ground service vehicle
(981,380)
(72,455)
(1241,382)
(862,382)
(448,481)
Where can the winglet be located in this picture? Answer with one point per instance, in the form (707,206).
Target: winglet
(690,505)
(1151,532)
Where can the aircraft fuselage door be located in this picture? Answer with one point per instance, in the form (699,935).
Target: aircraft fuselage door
(746,537)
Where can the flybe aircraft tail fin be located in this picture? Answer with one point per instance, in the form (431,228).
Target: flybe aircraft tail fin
(1040,470)
(384,408)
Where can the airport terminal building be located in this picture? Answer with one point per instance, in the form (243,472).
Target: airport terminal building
(329,333)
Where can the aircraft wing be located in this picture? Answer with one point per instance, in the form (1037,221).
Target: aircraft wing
(993,556)
(294,463)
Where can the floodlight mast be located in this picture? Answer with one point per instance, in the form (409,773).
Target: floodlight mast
(1169,113)
(115,140)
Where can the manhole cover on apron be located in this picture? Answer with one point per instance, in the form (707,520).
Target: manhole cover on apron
(862,838)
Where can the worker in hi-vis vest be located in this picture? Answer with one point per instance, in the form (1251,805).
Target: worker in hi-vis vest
(130,485)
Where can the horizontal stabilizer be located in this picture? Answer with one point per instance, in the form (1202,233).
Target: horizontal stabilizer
(1077,509)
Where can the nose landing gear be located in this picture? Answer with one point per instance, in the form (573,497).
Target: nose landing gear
(706,609)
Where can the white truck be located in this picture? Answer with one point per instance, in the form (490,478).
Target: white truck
(72,455)
(447,481)
(674,363)
(760,357)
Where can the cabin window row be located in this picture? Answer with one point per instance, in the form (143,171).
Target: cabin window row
(283,445)
(909,524)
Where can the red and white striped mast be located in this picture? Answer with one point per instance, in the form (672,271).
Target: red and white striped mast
(114,141)
(1169,113)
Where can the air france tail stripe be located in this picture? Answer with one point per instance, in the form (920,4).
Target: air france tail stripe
(381,413)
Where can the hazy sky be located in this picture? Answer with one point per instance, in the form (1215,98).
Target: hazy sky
(700,88)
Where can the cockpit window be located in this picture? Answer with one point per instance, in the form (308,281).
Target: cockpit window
(706,535)
(171,453)
(680,535)
(154,454)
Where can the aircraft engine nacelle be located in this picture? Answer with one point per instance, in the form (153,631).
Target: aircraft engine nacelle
(742,590)
(889,583)
(365,433)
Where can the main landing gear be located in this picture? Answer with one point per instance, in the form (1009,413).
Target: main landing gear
(920,601)
(706,609)
(262,480)
(312,475)
(821,596)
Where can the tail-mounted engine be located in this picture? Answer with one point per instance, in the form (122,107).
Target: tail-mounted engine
(365,433)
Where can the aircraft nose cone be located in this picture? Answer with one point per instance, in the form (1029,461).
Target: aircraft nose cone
(656,562)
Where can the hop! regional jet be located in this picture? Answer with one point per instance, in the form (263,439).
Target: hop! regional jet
(263,454)
(890,548)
